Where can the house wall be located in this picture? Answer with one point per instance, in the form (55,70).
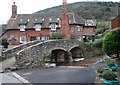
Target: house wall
(28,33)
(89,30)
(43,32)
(74,31)
(115,22)
(47,32)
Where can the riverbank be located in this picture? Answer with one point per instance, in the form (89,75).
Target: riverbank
(86,62)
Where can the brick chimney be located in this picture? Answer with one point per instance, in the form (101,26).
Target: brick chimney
(64,21)
(14,10)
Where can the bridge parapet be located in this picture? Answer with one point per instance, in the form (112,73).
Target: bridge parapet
(12,52)
(33,55)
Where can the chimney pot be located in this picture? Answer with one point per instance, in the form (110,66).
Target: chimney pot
(13,3)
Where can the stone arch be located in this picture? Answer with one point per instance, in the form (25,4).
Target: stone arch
(59,55)
(74,47)
(55,48)
(76,52)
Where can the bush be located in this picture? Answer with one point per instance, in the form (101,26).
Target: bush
(111,42)
(46,59)
(98,43)
(73,37)
(102,27)
(57,36)
(3,39)
(109,76)
(90,50)
(110,62)
(100,70)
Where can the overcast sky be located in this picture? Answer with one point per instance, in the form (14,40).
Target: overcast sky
(30,6)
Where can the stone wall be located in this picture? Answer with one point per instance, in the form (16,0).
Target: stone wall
(12,52)
(32,56)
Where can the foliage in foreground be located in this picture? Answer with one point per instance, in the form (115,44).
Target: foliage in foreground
(109,76)
(110,62)
(91,49)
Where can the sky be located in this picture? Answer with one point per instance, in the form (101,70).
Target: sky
(30,6)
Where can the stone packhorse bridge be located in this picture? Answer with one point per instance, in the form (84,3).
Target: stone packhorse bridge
(51,50)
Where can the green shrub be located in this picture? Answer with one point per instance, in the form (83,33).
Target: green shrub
(57,36)
(46,59)
(110,62)
(98,43)
(2,39)
(73,37)
(90,50)
(111,42)
(100,70)
(102,27)
(109,76)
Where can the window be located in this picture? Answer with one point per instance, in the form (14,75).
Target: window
(38,38)
(32,38)
(78,28)
(53,26)
(37,27)
(22,27)
(44,38)
(23,39)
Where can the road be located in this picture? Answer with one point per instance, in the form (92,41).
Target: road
(59,75)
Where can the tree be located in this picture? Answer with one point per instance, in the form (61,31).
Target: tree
(111,45)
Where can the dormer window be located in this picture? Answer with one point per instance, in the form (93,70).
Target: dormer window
(22,27)
(37,27)
(53,26)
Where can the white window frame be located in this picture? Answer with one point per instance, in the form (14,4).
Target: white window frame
(53,26)
(37,27)
(22,27)
(23,39)
(44,37)
(78,28)
(38,38)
